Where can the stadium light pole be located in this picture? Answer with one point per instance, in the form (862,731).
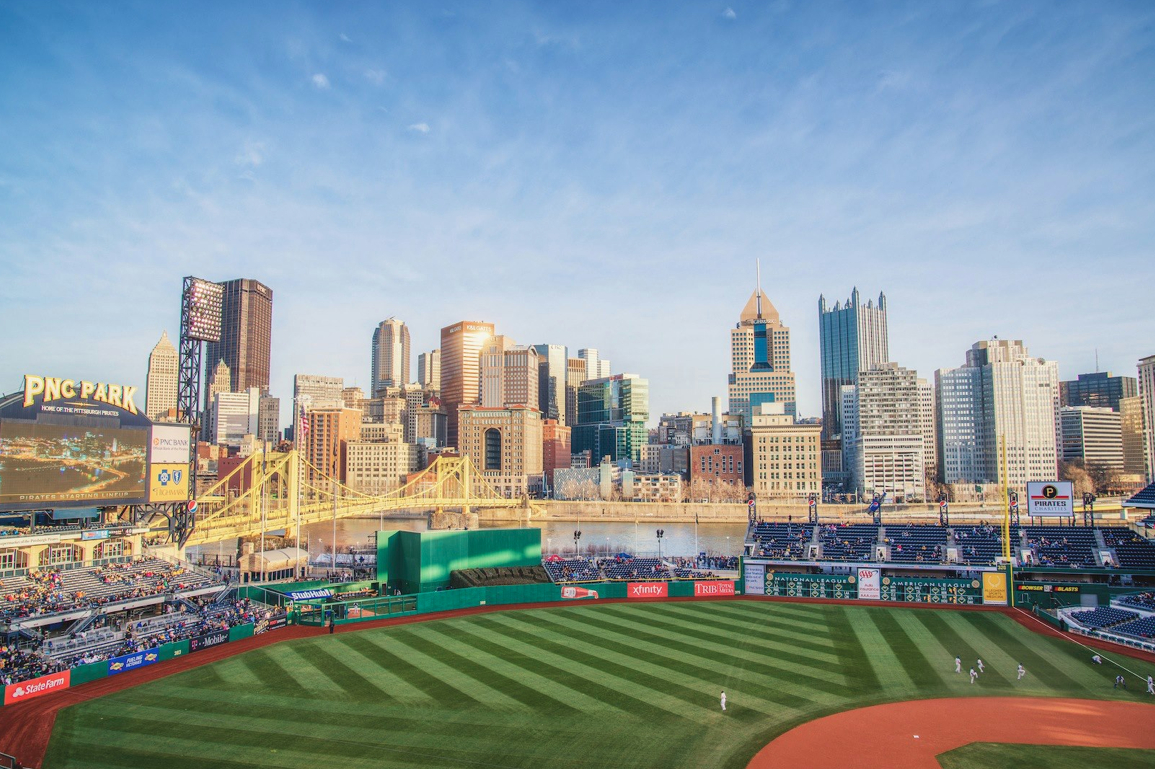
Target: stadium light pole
(661,533)
(577,535)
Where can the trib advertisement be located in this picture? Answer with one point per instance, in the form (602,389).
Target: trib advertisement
(870,584)
(27,690)
(647,590)
(714,588)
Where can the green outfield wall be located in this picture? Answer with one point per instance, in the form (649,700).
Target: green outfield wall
(421,561)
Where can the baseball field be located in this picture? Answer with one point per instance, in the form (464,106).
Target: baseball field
(577,686)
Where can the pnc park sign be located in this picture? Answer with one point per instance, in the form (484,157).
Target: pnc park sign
(48,389)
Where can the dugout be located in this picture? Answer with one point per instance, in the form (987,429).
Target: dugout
(422,561)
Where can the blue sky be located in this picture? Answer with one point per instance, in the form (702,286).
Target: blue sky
(588,174)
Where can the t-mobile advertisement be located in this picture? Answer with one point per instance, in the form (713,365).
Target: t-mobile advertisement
(869,584)
(713,588)
(647,590)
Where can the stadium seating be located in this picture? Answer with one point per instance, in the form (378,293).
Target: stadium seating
(981,545)
(1062,546)
(1131,550)
(635,568)
(1143,628)
(785,541)
(1144,498)
(1145,601)
(1103,617)
(916,544)
(850,542)
(573,570)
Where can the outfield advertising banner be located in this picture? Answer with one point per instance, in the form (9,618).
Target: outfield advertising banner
(208,640)
(713,588)
(995,588)
(755,578)
(573,592)
(128,662)
(310,595)
(647,590)
(27,690)
(170,445)
(870,584)
(168,483)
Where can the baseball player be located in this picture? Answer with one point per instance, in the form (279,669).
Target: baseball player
(974,675)
(1120,681)
(1022,672)
(1096,659)
(958,664)
(981,667)
(723,702)
(1150,685)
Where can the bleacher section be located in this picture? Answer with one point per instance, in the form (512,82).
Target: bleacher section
(1062,546)
(1145,498)
(852,542)
(916,544)
(981,545)
(624,567)
(1143,628)
(1144,601)
(1103,617)
(1131,550)
(785,541)
(573,570)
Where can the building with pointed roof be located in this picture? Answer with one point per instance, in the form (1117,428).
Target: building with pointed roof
(161,385)
(760,354)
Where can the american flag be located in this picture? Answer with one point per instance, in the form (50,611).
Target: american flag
(304,425)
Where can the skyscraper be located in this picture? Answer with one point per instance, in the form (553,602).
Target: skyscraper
(551,381)
(509,374)
(390,353)
(1101,389)
(1000,394)
(1147,398)
(219,381)
(461,345)
(1091,435)
(429,370)
(611,417)
(596,367)
(246,334)
(883,429)
(163,369)
(760,351)
(853,339)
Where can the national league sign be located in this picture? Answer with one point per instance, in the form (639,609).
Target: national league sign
(1056,498)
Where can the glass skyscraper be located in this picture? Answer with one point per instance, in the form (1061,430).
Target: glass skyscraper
(611,417)
(853,339)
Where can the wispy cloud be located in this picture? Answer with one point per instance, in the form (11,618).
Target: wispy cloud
(376,76)
(421,128)
(345,38)
(729,13)
(320,81)
(252,155)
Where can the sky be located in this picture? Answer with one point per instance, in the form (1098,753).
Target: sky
(589,174)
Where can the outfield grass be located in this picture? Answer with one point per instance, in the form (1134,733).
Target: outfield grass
(578,686)
(987,755)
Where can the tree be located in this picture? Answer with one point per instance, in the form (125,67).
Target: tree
(1077,474)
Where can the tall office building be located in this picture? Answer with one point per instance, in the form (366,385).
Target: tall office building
(1133,438)
(509,374)
(555,448)
(575,374)
(505,445)
(461,345)
(926,417)
(246,333)
(1001,393)
(326,441)
(611,417)
(314,392)
(853,339)
(429,370)
(883,433)
(551,381)
(219,381)
(163,369)
(390,354)
(1092,436)
(269,419)
(596,367)
(1101,389)
(784,454)
(235,415)
(760,351)
(1147,397)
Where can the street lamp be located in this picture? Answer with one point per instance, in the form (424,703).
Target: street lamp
(661,533)
(577,535)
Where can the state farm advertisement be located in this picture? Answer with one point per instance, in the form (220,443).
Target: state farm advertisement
(27,690)
(717,587)
(870,584)
(647,590)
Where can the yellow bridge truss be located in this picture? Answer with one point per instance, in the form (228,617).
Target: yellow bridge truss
(282,490)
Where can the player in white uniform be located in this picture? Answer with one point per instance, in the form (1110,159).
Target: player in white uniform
(723,702)
(1096,659)
(958,664)
(1150,685)
(1022,672)
(974,675)
(981,667)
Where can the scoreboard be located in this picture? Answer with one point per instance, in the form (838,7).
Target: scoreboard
(810,586)
(916,590)
(762,580)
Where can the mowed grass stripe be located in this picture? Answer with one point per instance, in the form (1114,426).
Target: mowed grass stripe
(298,669)
(238,674)
(320,655)
(796,678)
(815,643)
(996,659)
(366,658)
(812,631)
(784,661)
(514,681)
(936,624)
(695,665)
(889,672)
(566,672)
(667,677)
(855,665)
(442,692)
(1040,671)
(483,684)
(906,650)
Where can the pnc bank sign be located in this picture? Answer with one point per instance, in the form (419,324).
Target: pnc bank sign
(49,389)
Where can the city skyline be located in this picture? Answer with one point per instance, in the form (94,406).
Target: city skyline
(551,175)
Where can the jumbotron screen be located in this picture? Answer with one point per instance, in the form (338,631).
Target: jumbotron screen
(59,465)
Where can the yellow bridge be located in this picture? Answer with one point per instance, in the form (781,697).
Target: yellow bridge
(283,491)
